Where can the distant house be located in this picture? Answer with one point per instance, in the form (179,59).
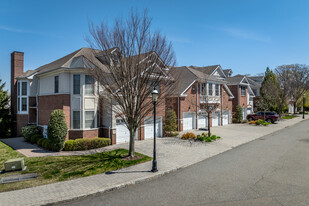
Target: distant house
(193,84)
(241,89)
(255,84)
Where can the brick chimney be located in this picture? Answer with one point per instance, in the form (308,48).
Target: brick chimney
(17,69)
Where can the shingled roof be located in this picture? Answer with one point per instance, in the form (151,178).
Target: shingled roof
(234,80)
(207,70)
(84,55)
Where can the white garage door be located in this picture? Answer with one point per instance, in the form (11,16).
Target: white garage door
(202,121)
(215,119)
(188,121)
(225,117)
(122,132)
(149,127)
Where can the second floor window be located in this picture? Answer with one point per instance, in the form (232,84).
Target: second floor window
(243,91)
(217,90)
(56,84)
(89,84)
(203,89)
(76,84)
(210,89)
(22,98)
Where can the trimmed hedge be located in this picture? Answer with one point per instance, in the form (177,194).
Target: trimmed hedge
(86,144)
(29,131)
(35,138)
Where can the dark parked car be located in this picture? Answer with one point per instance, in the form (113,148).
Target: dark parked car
(269,116)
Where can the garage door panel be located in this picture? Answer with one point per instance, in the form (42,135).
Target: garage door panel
(215,119)
(202,121)
(225,118)
(188,121)
(149,130)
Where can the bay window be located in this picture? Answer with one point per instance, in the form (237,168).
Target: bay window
(217,90)
(76,84)
(89,84)
(89,119)
(210,89)
(22,97)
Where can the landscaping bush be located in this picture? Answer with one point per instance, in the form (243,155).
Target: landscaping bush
(208,139)
(39,142)
(57,130)
(213,137)
(252,122)
(218,137)
(170,123)
(86,144)
(68,145)
(201,138)
(35,138)
(46,144)
(188,135)
(244,121)
(261,122)
(172,134)
(238,114)
(29,131)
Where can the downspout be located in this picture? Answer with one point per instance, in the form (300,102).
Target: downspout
(221,104)
(37,103)
(178,115)
(109,132)
(196,118)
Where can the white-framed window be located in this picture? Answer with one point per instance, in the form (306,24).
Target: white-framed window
(89,84)
(243,91)
(22,97)
(217,89)
(210,89)
(89,119)
(56,84)
(203,89)
(76,119)
(76,84)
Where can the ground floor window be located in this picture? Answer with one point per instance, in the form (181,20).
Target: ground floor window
(89,119)
(76,119)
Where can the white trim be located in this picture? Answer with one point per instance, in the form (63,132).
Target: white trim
(228,91)
(216,70)
(20,97)
(187,88)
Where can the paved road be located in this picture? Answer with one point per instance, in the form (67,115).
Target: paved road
(272,170)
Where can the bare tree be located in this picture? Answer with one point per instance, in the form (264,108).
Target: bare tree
(135,60)
(293,80)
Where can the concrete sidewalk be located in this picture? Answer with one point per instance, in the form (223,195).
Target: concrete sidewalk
(172,154)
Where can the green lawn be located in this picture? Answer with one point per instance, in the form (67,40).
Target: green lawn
(54,169)
(288,117)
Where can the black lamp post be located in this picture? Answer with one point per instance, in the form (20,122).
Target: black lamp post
(155,95)
(303,106)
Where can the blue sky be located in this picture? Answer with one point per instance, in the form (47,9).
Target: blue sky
(243,35)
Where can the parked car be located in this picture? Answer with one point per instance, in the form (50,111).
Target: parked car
(270,117)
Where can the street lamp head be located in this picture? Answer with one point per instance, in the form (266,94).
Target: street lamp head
(155,95)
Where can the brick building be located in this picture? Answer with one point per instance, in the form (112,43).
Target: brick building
(193,87)
(65,84)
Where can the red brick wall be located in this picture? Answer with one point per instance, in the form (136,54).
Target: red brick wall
(21,121)
(227,103)
(243,99)
(105,134)
(86,134)
(48,103)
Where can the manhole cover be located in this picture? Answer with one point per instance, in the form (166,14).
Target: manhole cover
(17,178)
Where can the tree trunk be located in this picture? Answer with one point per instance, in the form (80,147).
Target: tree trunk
(131,144)
(208,124)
